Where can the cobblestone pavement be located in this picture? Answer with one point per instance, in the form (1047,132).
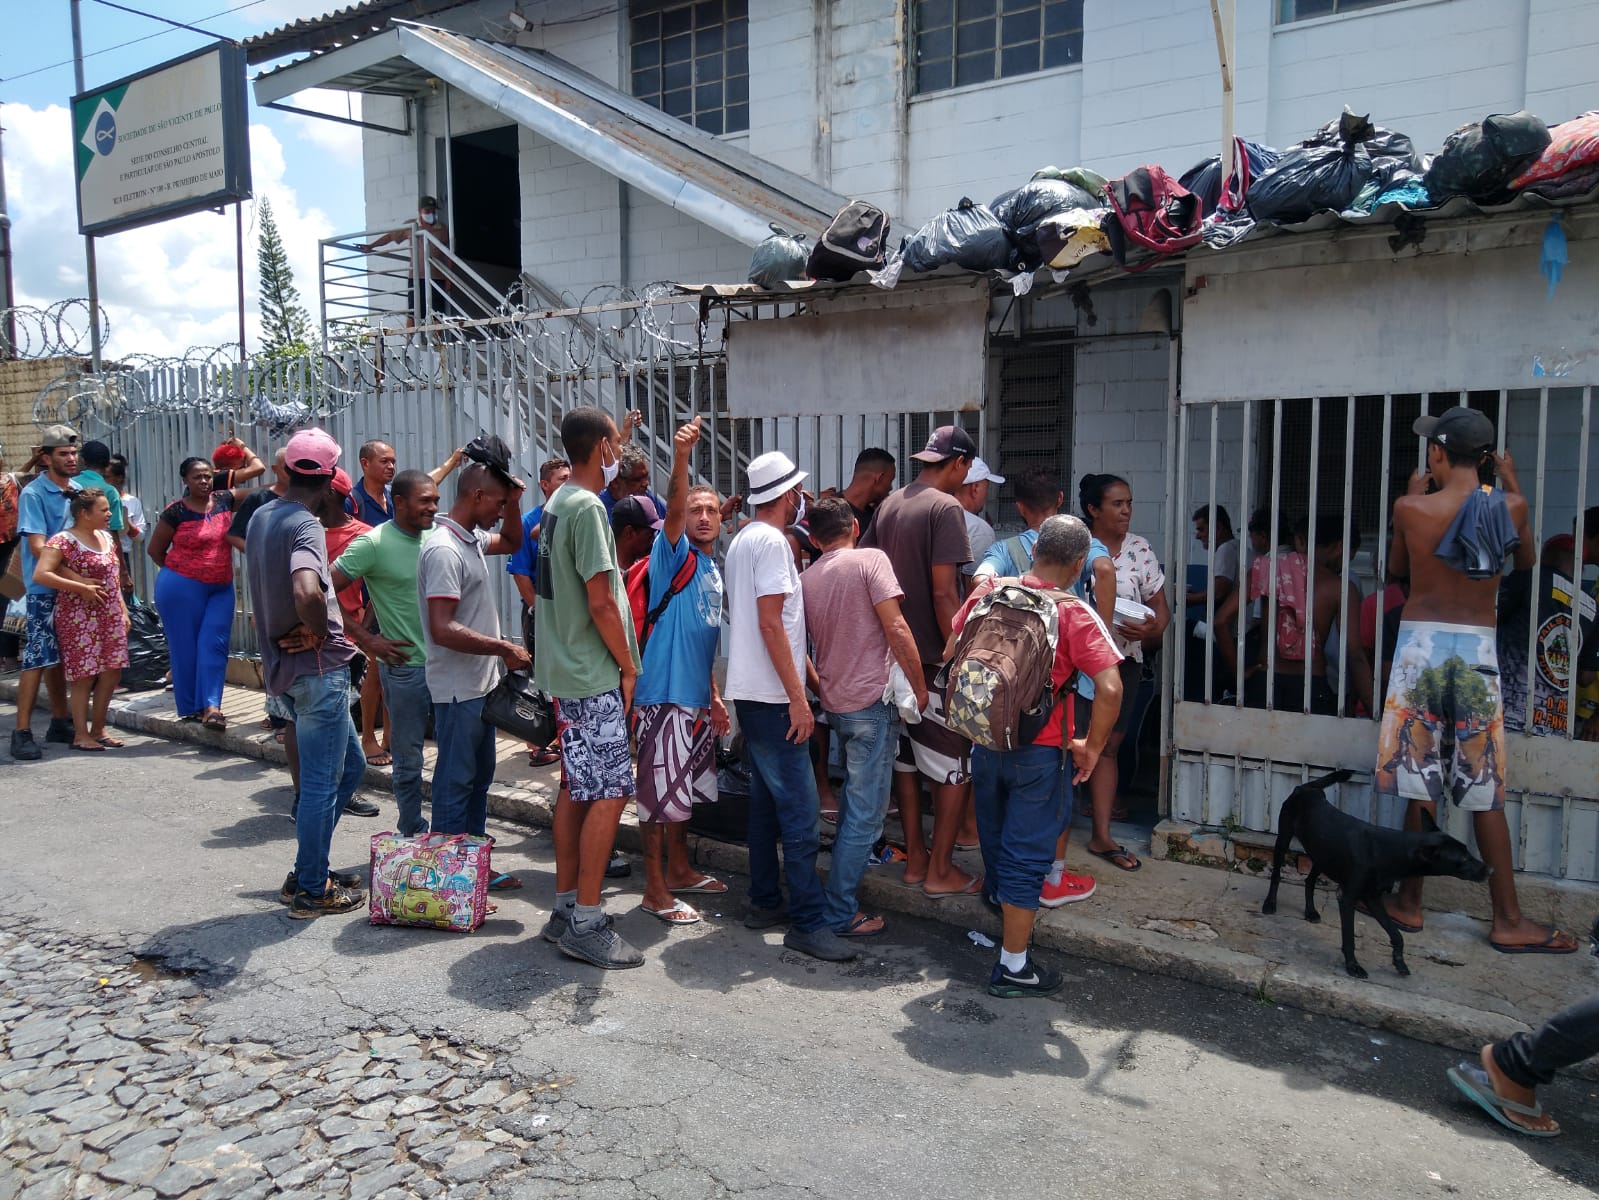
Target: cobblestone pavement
(112,1087)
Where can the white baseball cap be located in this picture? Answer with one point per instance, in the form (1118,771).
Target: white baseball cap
(979,471)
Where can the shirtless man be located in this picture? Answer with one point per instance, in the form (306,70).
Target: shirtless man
(1448,632)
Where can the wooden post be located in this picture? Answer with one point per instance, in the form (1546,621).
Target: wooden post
(1224,14)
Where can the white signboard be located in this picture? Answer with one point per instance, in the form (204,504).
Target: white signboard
(170,141)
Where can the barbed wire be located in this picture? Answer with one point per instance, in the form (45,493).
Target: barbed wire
(59,330)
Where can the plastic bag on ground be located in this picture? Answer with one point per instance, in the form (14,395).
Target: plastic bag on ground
(779,258)
(1573,146)
(1204,178)
(1328,170)
(969,236)
(1479,160)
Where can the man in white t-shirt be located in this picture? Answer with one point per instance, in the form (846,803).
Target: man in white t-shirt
(973,497)
(766,674)
(1220,582)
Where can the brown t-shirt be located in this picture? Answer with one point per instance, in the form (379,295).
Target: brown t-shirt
(842,591)
(920,527)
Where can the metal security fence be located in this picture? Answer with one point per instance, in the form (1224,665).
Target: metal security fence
(1303,461)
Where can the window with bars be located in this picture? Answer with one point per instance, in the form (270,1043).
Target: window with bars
(958,42)
(690,59)
(1289,11)
(1035,417)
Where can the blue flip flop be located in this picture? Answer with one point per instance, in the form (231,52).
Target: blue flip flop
(1474,1083)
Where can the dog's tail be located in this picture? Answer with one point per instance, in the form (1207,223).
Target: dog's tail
(1328,780)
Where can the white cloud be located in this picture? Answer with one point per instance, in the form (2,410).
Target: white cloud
(166,287)
(342,142)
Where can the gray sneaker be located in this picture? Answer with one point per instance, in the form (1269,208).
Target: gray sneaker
(556,927)
(601,946)
(764,918)
(821,943)
(23,747)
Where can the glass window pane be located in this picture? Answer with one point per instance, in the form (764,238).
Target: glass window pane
(737,89)
(979,35)
(707,95)
(1063,16)
(974,68)
(1064,50)
(738,61)
(678,104)
(646,54)
(678,49)
(737,10)
(1306,9)
(738,32)
(934,76)
(710,121)
(708,69)
(707,13)
(932,13)
(972,9)
(1011,6)
(646,27)
(708,41)
(738,118)
(677,20)
(1019,27)
(939,43)
(647,82)
(1018,60)
(677,75)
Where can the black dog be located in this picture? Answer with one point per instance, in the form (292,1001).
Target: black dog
(1364,860)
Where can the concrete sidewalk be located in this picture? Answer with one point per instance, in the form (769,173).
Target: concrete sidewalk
(1175,916)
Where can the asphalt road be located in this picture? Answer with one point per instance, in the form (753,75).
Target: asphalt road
(730,1066)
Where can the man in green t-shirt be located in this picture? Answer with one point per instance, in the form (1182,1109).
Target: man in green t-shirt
(385,560)
(587,658)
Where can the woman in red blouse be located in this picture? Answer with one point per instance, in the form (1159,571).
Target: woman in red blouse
(194,592)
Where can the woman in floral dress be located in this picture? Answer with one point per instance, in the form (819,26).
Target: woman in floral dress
(81,563)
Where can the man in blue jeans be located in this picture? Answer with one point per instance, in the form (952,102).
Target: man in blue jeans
(385,559)
(856,628)
(305,658)
(461,632)
(1024,797)
(766,670)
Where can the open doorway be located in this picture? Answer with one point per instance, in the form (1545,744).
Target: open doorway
(486,207)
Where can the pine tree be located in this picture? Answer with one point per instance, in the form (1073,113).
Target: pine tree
(286,330)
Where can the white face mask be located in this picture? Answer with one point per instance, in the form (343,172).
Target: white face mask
(610,470)
(799,513)
(430,218)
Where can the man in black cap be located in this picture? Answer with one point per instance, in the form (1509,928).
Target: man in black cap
(922,529)
(1443,735)
(634,521)
(432,224)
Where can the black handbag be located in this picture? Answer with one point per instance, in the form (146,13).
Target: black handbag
(521,710)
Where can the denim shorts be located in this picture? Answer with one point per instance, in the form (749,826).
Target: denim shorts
(596,760)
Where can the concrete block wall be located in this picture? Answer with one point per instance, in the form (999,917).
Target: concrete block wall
(1562,46)
(664,244)
(785,107)
(866,100)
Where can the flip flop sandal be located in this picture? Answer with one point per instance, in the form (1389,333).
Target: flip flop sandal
(1402,926)
(1474,1083)
(95,749)
(1550,945)
(678,914)
(215,719)
(543,758)
(858,927)
(830,816)
(381,759)
(1121,852)
(111,743)
(504,883)
(973,887)
(705,885)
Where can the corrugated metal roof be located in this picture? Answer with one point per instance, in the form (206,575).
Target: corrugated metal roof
(315,35)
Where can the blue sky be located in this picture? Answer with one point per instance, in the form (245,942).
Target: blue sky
(170,286)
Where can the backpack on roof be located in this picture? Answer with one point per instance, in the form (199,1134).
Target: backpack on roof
(996,683)
(854,242)
(638,594)
(1151,209)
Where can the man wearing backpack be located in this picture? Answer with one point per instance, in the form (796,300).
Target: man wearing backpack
(1024,796)
(678,712)
(634,521)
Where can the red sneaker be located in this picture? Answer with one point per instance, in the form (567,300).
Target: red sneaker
(1069,890)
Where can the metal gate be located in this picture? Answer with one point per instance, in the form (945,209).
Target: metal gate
(1303,460)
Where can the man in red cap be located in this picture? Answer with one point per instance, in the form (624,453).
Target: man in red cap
(1454,537)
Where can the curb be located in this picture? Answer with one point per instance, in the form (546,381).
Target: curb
(1291,985)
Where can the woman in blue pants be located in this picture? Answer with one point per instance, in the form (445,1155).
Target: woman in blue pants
(194,592)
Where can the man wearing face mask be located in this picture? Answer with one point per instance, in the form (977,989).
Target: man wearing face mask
(436,302)
(766,673)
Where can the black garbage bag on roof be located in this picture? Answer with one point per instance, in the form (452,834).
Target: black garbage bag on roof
(1479,160)
(779,258)
(1328,170)
(1204,178)
(148,661)
(1037,199)
(969,236)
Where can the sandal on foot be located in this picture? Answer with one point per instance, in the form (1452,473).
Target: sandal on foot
(1474,1083)
(705,885)
(381,759)
(504,883)
(864,925)
(214,718)
(543,758)
(111,743)
(1403,926)
(1553,944)
(974,885)
(678,914)
(97,748)
(1120,857)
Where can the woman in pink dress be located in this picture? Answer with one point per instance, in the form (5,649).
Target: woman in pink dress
(81,563)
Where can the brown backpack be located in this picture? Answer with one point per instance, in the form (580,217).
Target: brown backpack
(997,681)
